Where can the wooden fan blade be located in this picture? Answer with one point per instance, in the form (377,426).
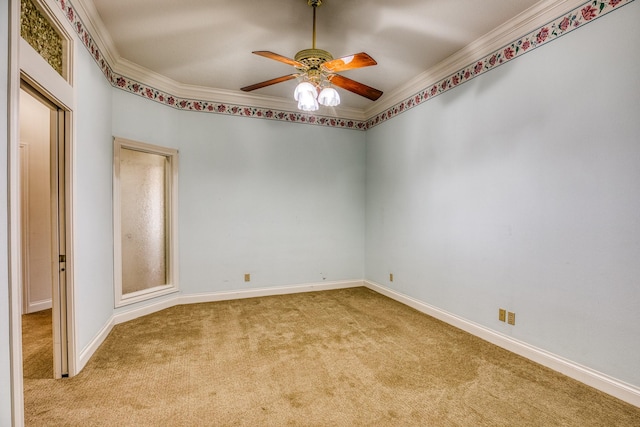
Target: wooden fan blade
(355,87)
(269,82)
(277,57)
(350,62)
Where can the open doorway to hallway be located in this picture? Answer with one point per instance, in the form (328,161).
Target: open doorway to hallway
(36,236)
(42,173)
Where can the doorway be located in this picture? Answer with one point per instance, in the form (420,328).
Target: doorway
(43,236)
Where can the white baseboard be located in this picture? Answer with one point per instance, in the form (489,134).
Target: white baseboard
(38,306)
(177,299)
(91,348)
(115,319)
(264,292)
(134,313)
(595,379)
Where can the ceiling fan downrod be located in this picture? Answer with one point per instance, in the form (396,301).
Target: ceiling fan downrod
(313,58)
(314,4)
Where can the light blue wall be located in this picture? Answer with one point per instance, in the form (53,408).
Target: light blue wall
(281,201)
(520,189)
(93,256)
(516,190)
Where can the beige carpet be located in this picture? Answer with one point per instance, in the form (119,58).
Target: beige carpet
(334,358)
(37,345)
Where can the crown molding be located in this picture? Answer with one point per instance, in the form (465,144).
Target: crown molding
(87,12)
(541,28)
(527,21)
(180,90)
(543,22)
(524,23)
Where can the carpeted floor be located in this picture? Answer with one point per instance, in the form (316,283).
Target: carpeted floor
(37,345)
(334,358)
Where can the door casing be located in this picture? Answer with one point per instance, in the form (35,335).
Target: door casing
(25,64)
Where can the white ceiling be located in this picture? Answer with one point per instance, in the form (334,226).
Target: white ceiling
(209,42)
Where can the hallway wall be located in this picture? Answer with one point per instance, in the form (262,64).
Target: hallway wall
(35,158)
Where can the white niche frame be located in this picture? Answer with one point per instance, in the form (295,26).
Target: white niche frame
(171,239)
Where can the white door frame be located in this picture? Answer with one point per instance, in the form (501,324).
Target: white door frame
(26,64)
(15,271)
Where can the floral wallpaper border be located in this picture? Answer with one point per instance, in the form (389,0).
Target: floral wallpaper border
(581,15)
(588,11)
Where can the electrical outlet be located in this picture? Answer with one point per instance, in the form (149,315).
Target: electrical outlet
(502,315)
(511,318)
(391,277)
(247,277)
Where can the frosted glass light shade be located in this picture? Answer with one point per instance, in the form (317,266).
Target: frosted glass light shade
(306,95)
(307,102)
(302,88)
(329,97)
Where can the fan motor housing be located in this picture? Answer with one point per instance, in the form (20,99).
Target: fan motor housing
(313,58)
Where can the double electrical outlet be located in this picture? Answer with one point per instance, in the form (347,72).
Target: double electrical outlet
(505,316)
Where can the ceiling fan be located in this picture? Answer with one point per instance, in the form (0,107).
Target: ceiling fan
(317,71)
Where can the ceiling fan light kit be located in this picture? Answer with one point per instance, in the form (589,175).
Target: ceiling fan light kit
(317,72)
(329,97)
(306,94)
